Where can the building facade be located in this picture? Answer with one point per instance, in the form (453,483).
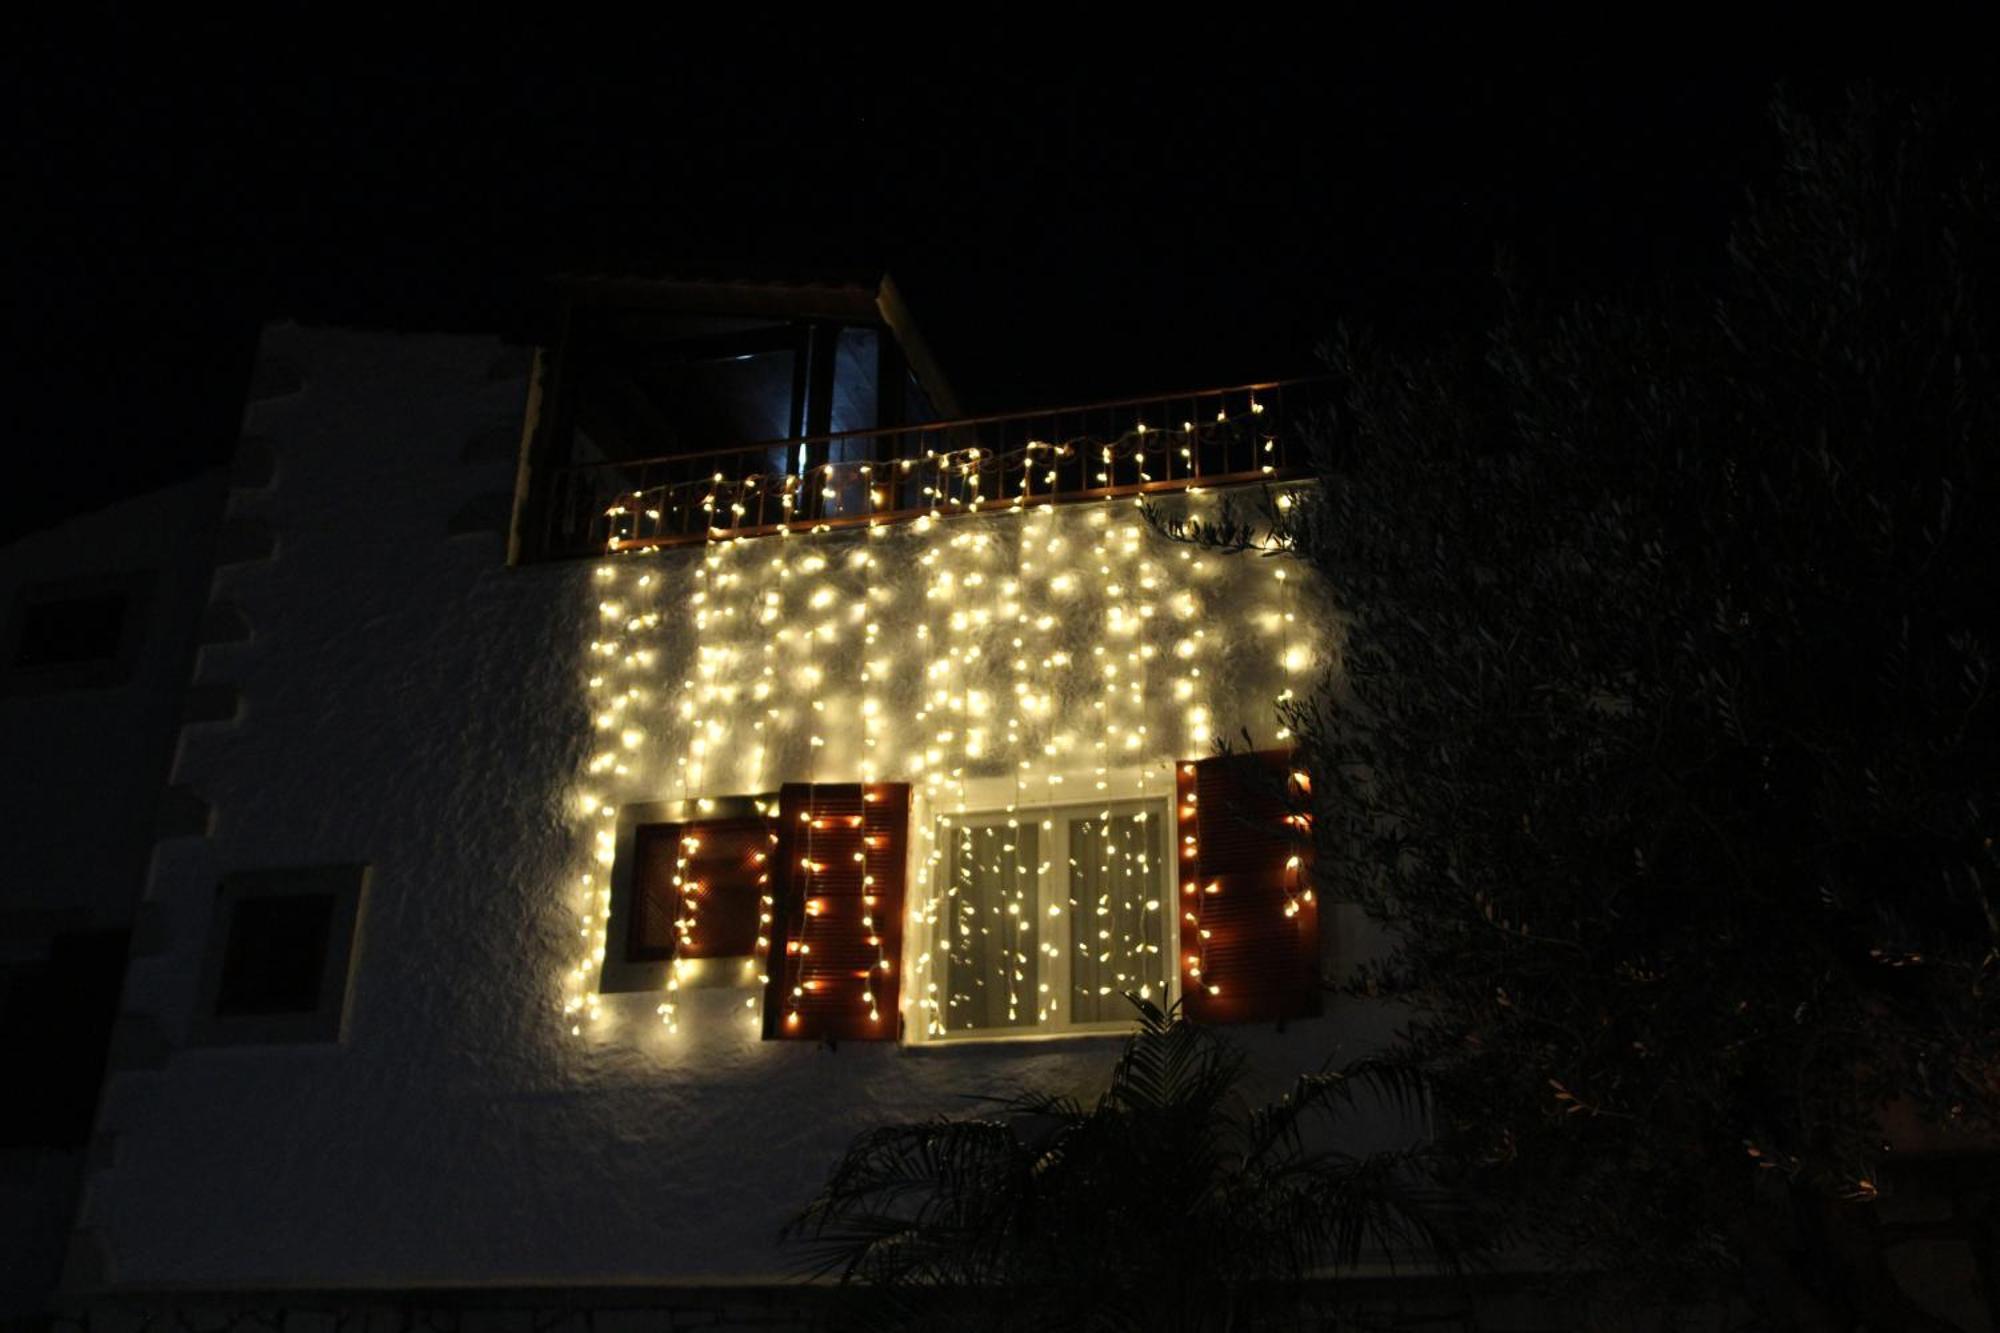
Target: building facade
(594,843)
(583,817)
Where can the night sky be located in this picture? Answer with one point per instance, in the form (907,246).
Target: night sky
(1071,218)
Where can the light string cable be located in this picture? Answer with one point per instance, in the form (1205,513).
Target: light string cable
(698,508)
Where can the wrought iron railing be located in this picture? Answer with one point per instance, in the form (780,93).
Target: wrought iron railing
(1178,442)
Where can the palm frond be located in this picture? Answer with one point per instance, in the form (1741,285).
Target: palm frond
(1331,1094)
(1164,1192)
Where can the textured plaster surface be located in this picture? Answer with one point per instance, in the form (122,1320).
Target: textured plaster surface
(411,703)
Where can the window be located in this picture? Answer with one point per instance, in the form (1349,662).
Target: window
(1045,924)
(857,392)
(640,400)
(72,630)
(1038,922)
(279,956)
(56,1014)
(656,388)
(799,893)
(696,888)
(275,953)
(641,387)
(687,889)
(74,633)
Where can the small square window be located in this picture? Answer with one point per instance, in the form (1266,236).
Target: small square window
(280,951)
(81,633)
(275,954)
(70,630)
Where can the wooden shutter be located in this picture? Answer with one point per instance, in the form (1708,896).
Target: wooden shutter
(1249,922)
(697,888)
(837,941)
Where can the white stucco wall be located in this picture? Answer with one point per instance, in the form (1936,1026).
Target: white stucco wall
(413,703)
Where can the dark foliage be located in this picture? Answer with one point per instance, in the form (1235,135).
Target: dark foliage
(1664,736)
(1169,1202)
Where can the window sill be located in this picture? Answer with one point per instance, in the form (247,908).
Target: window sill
(988,1041)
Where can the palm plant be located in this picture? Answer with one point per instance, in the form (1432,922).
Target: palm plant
(1170,1202)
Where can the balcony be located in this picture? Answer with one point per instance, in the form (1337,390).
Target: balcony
(1137,446)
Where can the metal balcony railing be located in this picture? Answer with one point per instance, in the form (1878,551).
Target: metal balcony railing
(1178,442)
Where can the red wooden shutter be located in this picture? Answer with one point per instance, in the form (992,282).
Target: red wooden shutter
(837,941)
(1249,923)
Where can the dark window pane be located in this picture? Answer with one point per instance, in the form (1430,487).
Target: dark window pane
(55,1021)
(72,630)
(276,952)
(641,390)
(854,394)
(917,405)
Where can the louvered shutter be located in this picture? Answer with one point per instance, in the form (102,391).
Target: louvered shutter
(697,888)
(1249,922)
(837,940)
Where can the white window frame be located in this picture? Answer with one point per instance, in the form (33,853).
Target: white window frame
(1051,890)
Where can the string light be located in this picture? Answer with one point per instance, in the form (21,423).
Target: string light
(968,480)
(1046,653)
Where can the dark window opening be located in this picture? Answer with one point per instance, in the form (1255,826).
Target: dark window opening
(276,955)
(72,630)
(856,400)
(917,406)
(639,391)
(56,1016)
(639,385)
(662,421)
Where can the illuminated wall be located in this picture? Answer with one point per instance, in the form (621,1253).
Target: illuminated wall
(1016,661)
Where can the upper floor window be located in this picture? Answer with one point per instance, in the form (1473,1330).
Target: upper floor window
(652,384)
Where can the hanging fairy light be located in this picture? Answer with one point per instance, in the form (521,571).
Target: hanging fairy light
(979,678)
